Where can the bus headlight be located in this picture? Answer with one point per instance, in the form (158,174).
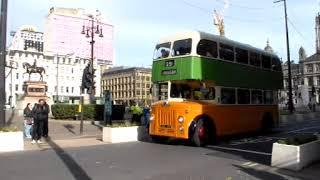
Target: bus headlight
(180,119)
(151,117)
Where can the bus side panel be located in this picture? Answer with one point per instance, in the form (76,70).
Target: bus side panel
(234,119)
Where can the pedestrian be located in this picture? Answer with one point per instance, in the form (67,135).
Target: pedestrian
(136,112)
(146,115)
(40,114)
(46,120)
(28,120)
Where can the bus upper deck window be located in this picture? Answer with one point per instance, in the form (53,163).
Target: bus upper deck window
(207,48)
(162,50)
(276,64)
(226,52)
(266,61)
(255,59)
(182,47)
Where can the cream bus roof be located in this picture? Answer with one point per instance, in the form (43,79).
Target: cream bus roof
(197,35)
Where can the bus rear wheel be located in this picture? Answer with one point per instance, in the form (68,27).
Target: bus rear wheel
(267,124)
(200,136)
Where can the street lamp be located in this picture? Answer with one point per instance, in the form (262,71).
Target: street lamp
(290,103)
(90,31)
(12,65)
(3,35)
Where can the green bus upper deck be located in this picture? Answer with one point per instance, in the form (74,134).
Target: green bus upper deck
(201,56)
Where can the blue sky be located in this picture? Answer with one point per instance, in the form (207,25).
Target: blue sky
(140,23)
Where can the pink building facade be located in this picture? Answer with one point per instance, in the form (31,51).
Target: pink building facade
(63,36)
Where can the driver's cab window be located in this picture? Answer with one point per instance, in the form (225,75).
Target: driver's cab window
(180,91)
(160,91)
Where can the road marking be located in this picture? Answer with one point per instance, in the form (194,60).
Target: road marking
(247,163)
(253,164)
(297,130)
(241,150)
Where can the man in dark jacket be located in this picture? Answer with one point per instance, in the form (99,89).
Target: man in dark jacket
(46,120)
(40,115)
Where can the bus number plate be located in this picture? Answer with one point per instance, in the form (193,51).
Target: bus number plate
(169,63)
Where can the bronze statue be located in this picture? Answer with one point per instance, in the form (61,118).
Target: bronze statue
(87,78)
(34,69)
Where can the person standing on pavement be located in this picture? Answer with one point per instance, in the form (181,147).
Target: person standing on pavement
(46,120)
(28,118)
(136,112)
(40,114)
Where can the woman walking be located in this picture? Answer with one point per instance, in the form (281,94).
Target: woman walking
(40,113)
(28,120)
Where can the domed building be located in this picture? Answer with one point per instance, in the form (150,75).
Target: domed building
(268,48)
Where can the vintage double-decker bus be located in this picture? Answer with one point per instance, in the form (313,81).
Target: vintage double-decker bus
(206,86)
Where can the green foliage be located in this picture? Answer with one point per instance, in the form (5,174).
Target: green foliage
(64,111)
(8,129)
(299,139)
(90,111)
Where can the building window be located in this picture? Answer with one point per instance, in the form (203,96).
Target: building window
(55,89)
(318,81)
(310,81)
(17,87)
(138,85)
(67,89)
(138,93)
(309,68)
(318,67)
(17,76)
(61,89)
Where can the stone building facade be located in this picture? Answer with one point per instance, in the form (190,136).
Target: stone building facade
(63,71)
(128,84)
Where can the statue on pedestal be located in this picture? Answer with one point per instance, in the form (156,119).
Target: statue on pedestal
(34,69)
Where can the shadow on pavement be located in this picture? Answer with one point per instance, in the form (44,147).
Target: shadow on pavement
(70,128)
(259,174)
(11,117)
(71,164)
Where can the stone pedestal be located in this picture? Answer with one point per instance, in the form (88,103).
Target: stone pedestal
(33,91)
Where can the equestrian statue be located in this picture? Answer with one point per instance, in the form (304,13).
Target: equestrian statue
(34,69)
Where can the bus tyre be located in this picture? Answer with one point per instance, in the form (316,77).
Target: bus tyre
(267,123)
(200,135)
(159,139)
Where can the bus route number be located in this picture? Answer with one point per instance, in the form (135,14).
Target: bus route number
(169,63)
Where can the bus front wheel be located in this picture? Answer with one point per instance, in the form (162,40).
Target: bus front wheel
(200,136)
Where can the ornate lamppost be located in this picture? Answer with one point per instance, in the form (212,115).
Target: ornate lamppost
(90,31)
(12,65)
